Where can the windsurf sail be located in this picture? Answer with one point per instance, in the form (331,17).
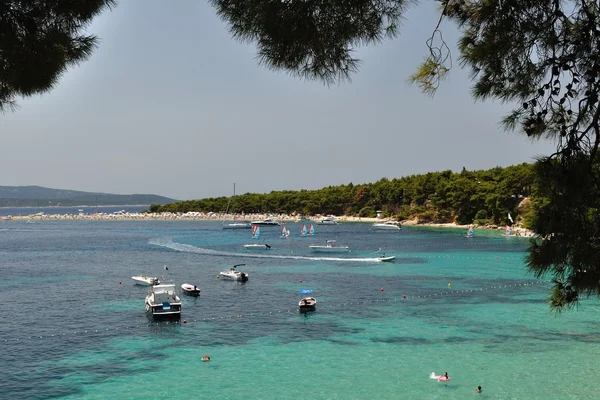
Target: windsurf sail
(510,219)
(470,232)
(303,232)
(311,230)
(282,229)
(255,232)
(507,230)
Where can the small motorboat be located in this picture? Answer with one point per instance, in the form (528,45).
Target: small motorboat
(192,290)
(162,302)
(257,246)
(233,275)
(144,280)
(307,304)
(384,258)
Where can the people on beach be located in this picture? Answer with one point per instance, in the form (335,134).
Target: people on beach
(478,389)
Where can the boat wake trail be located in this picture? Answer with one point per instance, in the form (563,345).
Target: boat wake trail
(187,248)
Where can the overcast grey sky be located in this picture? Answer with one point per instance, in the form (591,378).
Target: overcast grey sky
(170,104)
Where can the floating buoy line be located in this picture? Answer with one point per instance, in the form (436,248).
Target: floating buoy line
(338,306)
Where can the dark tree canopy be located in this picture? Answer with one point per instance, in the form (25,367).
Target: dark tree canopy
(39,40)
(542,56)
(313,39)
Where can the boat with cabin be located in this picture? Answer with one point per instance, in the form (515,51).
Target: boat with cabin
(329,247)
(162,301)
(388,225)
(330,220)
(265,222)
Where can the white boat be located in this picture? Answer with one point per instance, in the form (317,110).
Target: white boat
(144,280)
(163,302)
(327,221)
(388,225)
(257,246)
(234,224)
(190,289)
(233,275)
(265,222)
(328,247)
(384,258)
(307,304)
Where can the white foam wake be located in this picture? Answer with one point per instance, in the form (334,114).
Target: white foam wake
(187,248)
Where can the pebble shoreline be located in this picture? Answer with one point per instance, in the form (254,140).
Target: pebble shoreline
(200,216)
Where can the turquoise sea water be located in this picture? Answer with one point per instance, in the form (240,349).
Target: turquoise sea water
(73,325)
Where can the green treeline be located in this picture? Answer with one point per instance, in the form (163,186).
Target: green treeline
(485,196)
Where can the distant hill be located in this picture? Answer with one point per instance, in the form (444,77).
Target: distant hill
(37,196)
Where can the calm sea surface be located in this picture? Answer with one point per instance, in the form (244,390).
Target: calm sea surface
(73,325)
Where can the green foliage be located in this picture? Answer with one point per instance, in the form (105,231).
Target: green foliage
(368,212)
(567,218)
(432,197)
(39,40)
(481,217)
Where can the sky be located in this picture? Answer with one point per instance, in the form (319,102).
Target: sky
(171,104)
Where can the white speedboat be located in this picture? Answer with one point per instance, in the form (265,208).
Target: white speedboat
(144,280)
(327,221)
(385,258)
(233,275)
(163,302)
(329,247)
(307,304)
(190,289)
(257,246)
(388,225)
(265,222)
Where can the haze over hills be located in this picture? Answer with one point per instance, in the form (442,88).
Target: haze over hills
(37,196)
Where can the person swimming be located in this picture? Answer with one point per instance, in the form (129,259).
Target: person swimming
(478,389)
(446,376)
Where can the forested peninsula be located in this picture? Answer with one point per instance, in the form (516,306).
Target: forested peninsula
(481,197)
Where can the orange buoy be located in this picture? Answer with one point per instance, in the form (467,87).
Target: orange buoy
(403,296)
(381,289)
(185,321)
